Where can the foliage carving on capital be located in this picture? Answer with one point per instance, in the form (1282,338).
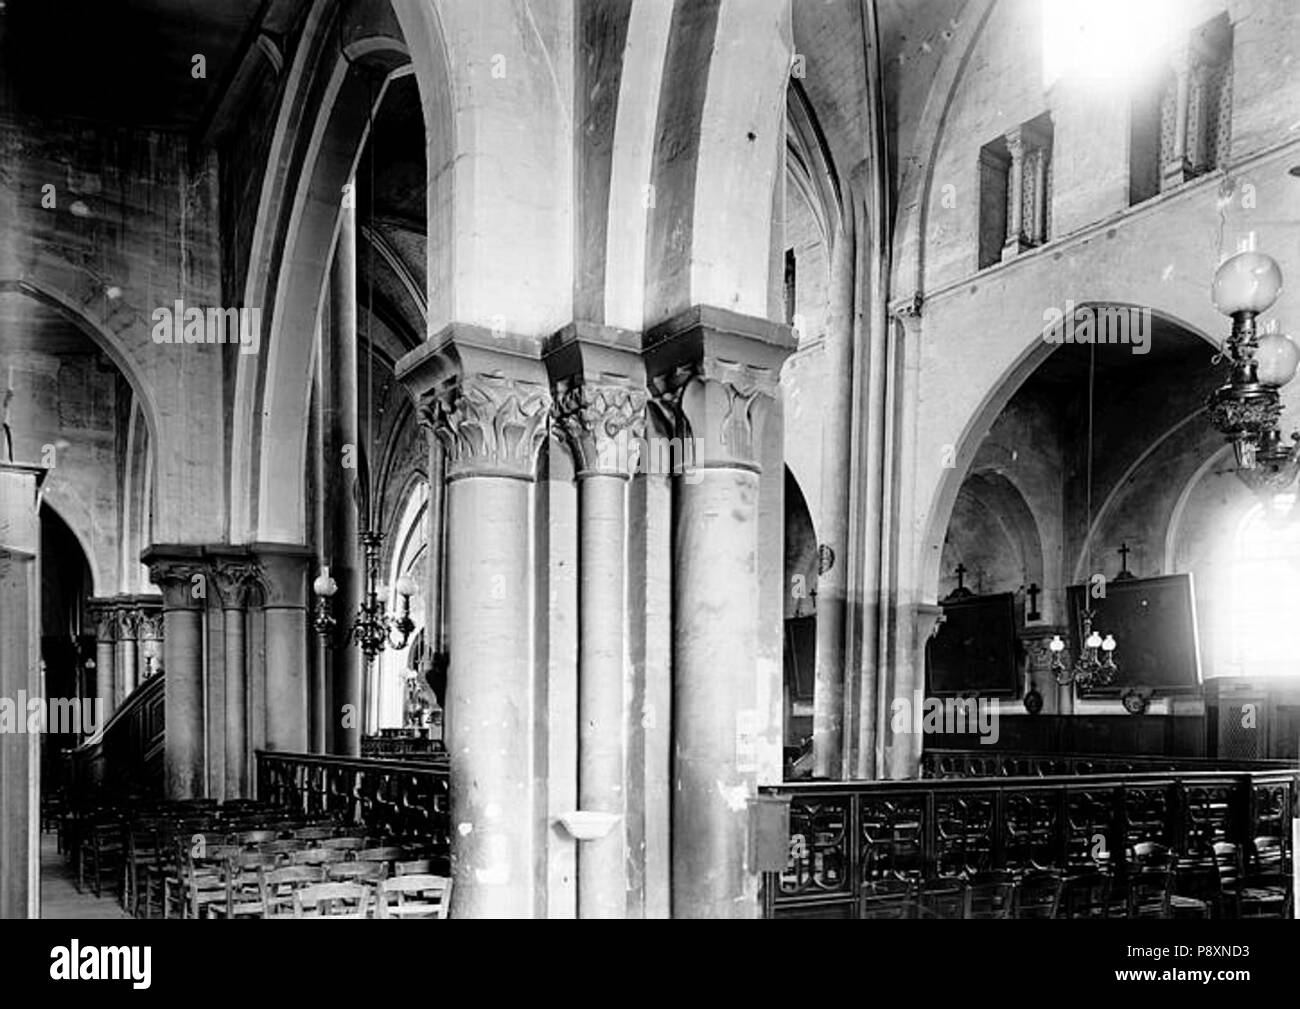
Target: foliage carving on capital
(151,625)
(128,623)
(604,423)
(184,584)
(713,407)
(490,424)
(105,618)
(235,581)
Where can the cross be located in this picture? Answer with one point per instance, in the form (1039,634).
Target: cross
(1033,592)
(961,576)
(1124,551)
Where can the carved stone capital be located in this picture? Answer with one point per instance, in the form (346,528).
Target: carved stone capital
(151,625)
(128,622)
(484,395)
(235,580)
(282,570)
(712,373)
(181,573)
(604,425)
(598,378)
(491,425)
(103,613)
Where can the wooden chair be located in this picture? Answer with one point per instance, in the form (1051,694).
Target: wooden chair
(244,886)
(1148,855)
(415,867)
(317,856)
(1085,896)
(282,849)
(1268,855)
(314,833)
(1148,893)
(1194,890)
(944,897)
(1037,895)
(371,872)
(1264,895)
(103,853)
(989,894)
(146,843)
(344,843)
(887,899)
(279,886)
(250,838)
(205,879)
(385,855)
(418,896)
(334,900)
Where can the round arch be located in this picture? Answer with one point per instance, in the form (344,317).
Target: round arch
(942,498)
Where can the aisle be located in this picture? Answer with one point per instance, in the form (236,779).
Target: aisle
(59,897)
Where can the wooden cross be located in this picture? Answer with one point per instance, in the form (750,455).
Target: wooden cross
(1124,572)
(961,591)
(1033,592)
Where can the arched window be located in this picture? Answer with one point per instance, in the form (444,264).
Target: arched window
(1265,587)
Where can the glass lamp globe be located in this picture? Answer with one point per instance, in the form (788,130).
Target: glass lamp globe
(1247,282)
(324,585)
(406,585)
(1056,645)
(1094,640)
(1278,357)
(1108,643)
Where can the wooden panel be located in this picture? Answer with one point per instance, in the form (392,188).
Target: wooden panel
(975,648)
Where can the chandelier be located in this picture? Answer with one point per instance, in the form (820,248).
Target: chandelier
(1089,669)
(1248,408)
(373,629)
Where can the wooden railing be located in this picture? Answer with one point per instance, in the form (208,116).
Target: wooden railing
(982,763)
(847,835)
(126,758)
(406,800)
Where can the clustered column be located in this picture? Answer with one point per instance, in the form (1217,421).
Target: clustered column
(235,580)
(600,407)
(486,397)
(183,580)
(106,686)
(716,374)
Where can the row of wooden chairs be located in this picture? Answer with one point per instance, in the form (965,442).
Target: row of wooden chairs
(1217,882)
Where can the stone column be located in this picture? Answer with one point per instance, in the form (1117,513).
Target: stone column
(105,654)
(20,670)
(128,626)
(235,578)
(485,395)
(345,672)
(181,574)
(600,406)
(832,581)
(1178,169)
(1015,242)
(714,370)
(284,578)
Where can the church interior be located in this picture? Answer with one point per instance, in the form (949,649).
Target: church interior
(561,458)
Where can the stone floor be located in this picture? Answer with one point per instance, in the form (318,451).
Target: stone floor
(59,897)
